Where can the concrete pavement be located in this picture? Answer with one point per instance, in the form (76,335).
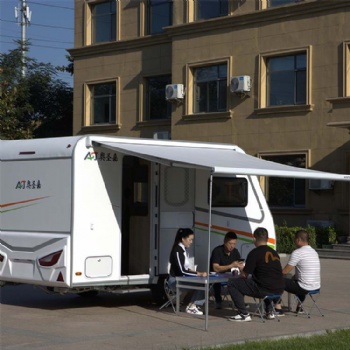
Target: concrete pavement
(32,319)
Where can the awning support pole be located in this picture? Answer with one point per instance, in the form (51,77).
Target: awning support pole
(207,286)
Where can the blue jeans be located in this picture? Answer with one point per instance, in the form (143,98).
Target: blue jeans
(197,296)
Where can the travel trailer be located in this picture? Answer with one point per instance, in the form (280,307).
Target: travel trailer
(92,213)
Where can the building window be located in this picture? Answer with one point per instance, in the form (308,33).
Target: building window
(286,192)
(157,106)
(103,103)
(103,21)
(275,3)
(160,15)
(212,8)
(210,88)
(286,80)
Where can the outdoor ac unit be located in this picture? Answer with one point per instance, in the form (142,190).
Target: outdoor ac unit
(318,184)
(161,135)
(241,83)
(320,223)
(174,91)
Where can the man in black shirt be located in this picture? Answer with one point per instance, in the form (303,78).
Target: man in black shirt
(224,258)
(264,266)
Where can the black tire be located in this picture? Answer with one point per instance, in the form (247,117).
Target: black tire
(89,294)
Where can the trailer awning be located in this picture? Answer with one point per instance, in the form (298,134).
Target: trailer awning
(218,160)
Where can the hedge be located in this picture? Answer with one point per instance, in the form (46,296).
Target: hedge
(318,236)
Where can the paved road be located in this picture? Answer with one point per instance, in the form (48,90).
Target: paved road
(32,319)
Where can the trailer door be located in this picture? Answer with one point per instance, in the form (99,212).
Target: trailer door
(176,206)
(135,251)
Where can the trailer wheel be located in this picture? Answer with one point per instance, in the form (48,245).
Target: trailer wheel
(158,293)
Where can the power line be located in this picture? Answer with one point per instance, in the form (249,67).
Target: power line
(60,7)
(51,47)
(48,26)
(33,45)
(38,25)
(35,39)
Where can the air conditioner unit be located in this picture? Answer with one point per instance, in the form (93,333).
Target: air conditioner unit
(161,135)
(318,184)
(241,83)
(320,223)
(174,91)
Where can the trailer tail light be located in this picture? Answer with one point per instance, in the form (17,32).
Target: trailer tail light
(1,258)
(51,259)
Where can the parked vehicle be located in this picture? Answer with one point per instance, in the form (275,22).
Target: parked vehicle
(91,213)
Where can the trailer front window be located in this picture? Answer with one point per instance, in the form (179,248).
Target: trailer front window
(229,192)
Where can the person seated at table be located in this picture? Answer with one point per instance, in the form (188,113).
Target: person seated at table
(223,259)
(180,266)
(264,266)
(306,262)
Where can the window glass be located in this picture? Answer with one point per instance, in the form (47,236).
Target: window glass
(211,8)
(157,106)
(103,103)
(210,84)
(159,15)
(286,192)
(103,22)
(286,80)
(229,192)
(274,3)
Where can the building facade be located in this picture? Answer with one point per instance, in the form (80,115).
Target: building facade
(271,76)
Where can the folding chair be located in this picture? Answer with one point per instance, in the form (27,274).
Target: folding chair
(261,305)
(311,293)
(170,294)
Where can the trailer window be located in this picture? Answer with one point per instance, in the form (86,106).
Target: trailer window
(229,192)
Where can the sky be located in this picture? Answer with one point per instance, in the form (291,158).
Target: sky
(51,30)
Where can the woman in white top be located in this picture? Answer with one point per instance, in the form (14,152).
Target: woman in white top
(180,266)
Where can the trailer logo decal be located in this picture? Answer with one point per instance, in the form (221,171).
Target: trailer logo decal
(11,204)
(101,156)
(28,184)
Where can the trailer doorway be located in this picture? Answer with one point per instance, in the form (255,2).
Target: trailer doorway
(135,250)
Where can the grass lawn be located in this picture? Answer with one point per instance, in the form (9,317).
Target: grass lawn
(333,340)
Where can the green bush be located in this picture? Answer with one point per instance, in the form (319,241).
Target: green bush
(325,236)
(318,236)
(285,237)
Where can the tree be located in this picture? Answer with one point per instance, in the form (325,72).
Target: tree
(35,105)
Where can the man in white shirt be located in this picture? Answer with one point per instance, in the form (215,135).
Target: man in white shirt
(307,275)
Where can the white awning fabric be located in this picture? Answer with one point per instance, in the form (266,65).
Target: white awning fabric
(218,160)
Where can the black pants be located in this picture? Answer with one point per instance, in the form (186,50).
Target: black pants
(239,287)
(292,286)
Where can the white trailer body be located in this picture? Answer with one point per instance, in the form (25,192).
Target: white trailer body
(94,212)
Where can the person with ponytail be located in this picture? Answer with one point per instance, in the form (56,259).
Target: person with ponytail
(180,266)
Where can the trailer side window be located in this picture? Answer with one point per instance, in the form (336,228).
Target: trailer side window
(229,192)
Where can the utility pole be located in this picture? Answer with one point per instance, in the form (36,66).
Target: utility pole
(25,15)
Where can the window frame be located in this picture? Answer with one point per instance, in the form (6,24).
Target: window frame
(88,114)
(147,116)
(263,89)
(197,6)
(219,182)
(346,69)
(266,4)
(264,180)
(148,15)
(88,32)
(190,77)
